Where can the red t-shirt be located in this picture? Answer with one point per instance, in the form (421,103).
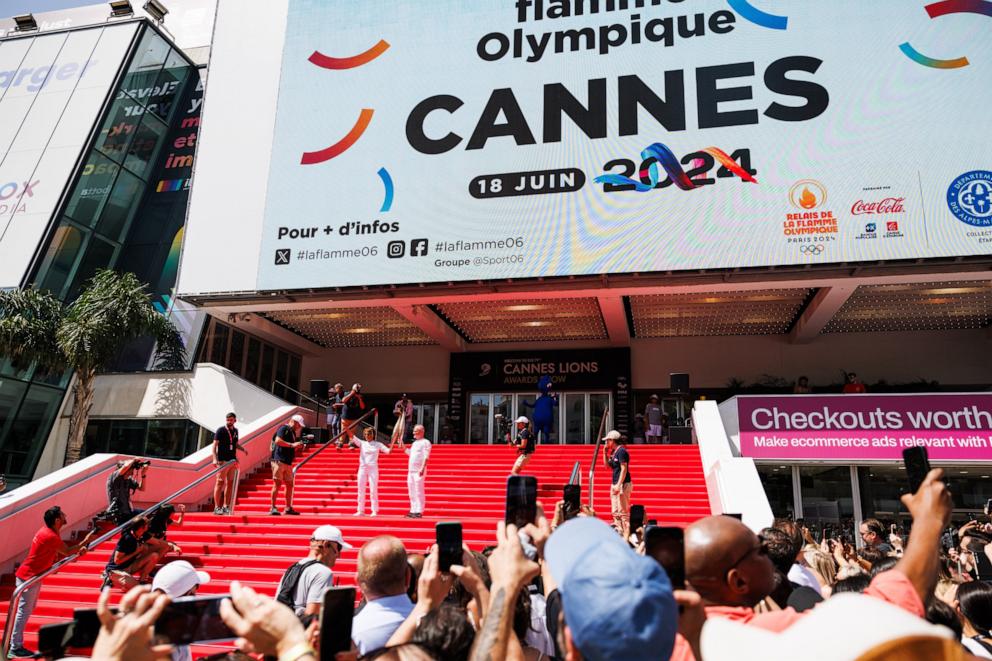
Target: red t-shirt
(44,551)
(854,389)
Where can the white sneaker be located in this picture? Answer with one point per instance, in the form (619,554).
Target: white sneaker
(359,514)
(374,514)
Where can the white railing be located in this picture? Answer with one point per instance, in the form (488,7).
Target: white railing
(732,482)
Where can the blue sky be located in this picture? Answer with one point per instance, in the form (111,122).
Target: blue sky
(14,7)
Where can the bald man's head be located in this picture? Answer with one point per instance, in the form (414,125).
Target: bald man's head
(726,562)
(382,568)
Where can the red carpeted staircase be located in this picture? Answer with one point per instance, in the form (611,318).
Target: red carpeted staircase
(464,483)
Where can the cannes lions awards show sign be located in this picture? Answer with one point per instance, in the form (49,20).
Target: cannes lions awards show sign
(452,140)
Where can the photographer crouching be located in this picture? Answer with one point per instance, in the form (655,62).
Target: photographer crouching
(129,477)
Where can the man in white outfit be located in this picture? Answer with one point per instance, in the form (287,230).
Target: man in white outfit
(419,451)
(368,469)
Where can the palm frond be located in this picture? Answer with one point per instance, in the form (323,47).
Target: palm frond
(29,319)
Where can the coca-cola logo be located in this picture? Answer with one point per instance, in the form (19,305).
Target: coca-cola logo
(887,205)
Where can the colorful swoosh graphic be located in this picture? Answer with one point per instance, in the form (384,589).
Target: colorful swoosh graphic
(667,159)
(758,17)
(339,147)
(944,8)
(933,62)
(328,62)
(387,182)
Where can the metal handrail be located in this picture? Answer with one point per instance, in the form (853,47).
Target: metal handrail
(301,394)
(331,442)
(16,596)
(576,476)
(595,454)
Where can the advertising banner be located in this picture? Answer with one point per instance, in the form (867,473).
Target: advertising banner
(446,140)
(52,88)
(953,427)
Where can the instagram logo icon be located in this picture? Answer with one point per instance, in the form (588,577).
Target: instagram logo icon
(395,249)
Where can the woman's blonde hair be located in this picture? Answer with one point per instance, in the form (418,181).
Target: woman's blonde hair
(822,564)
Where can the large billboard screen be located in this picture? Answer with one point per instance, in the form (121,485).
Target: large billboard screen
(52,88)
(418,142)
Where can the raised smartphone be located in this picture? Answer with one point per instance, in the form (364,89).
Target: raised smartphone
(521,500)
(449,544)
(335,621)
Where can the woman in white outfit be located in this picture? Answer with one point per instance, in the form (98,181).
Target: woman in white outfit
(368,469)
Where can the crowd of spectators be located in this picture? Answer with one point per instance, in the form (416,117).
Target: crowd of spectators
(587,593)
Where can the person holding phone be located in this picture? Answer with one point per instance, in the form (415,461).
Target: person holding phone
(368,470)
(179,579)
(416,472)
(524,444)
(617,459)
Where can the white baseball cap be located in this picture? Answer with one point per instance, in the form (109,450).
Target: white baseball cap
(330,534)
(298,419)
(612,436)
(523,419)
(177,578)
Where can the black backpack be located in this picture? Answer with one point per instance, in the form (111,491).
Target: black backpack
(290,579)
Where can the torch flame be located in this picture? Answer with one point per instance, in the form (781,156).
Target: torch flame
(807,200)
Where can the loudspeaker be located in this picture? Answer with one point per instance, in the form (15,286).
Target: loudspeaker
(680,435)
(319,389)
(679,383)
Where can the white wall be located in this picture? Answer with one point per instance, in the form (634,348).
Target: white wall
(204,396)
(382,369)
(239,108)
(951,357)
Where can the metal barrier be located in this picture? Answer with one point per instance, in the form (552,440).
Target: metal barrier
(595,454)
(576,476)
(15,598)
(316,402)
(375,425)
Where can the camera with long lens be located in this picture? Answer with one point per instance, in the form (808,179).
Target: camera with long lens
(502,426)
(142,463)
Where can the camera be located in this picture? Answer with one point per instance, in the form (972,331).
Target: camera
(357,387)
(502,425)
(142,463)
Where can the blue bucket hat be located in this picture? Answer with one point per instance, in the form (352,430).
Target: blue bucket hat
(617,604)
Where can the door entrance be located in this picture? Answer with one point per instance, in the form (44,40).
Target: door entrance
(576,419)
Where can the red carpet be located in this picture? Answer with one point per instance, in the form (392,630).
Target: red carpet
(465,483)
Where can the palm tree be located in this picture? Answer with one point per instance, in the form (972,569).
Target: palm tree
(85,335)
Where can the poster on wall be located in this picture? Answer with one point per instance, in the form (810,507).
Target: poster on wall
(952,427)
(446,141)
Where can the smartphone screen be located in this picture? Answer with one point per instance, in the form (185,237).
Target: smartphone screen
(572,495)
(636,517)
(190,620)
(335,620)
(54,638)
(86,627)
(521,500)
(917,466)
(666,546)
(449,544)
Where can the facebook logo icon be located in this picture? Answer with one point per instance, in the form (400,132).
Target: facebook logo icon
(418,247)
